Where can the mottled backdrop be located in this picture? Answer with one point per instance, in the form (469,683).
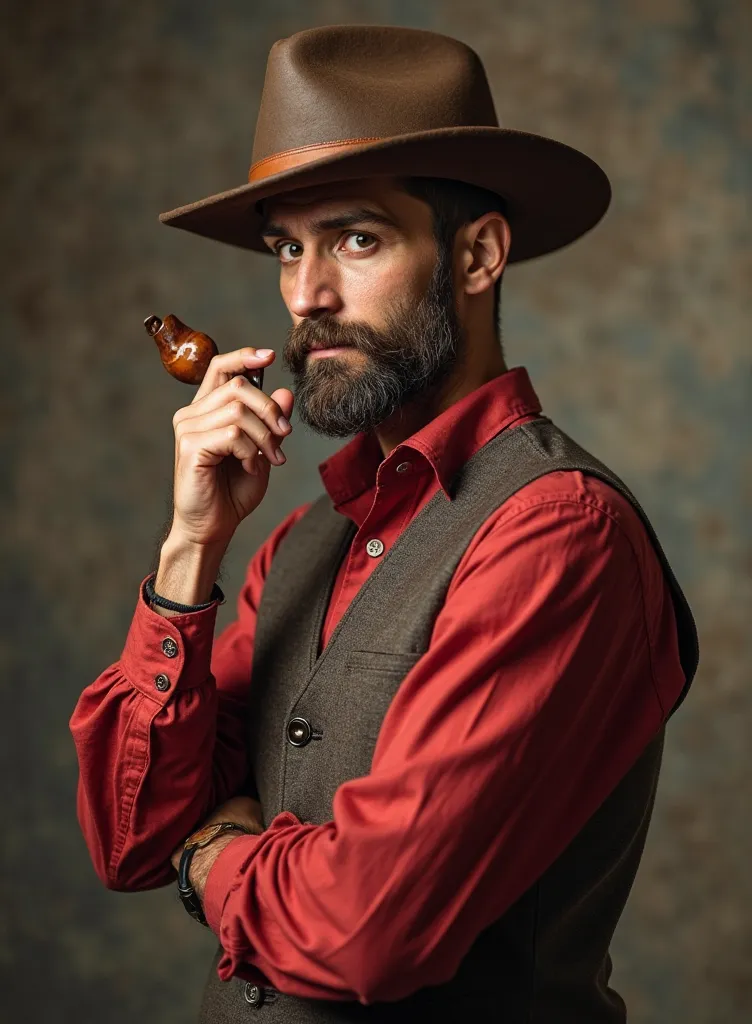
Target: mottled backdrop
(637,339)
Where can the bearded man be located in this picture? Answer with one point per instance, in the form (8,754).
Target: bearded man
(423,757)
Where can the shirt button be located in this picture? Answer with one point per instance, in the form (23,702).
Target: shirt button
(298,731)
(374,548)
(162,682)
(403,467)
(169,647)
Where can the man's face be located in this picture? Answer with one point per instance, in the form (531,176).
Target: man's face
(377,297)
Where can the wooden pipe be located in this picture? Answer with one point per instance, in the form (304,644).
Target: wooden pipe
(186,353)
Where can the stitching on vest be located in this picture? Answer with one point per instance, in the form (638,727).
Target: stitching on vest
(532,438)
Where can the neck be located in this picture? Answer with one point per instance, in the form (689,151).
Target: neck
(482,363)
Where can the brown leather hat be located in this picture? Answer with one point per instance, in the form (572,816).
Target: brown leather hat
(352,101)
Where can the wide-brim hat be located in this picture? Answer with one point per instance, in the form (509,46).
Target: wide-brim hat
(353,101)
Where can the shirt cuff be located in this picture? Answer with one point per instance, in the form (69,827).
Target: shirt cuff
(223,877)
(164,654)
(226,873)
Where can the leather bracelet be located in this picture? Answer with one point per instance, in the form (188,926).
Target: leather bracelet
(175,606)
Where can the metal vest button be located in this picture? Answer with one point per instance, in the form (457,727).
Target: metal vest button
(374,548)
(253,994)
(298,731)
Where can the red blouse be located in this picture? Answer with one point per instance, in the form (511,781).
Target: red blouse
(552,662)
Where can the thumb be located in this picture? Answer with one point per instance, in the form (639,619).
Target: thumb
(285,400)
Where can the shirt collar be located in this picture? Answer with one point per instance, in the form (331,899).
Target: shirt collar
(446,442)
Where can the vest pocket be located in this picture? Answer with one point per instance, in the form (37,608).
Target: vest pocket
(383,661)
(374,678)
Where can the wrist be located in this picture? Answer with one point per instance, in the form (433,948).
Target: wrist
(203,860)
(187,571)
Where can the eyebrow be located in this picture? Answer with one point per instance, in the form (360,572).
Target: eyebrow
(344,220)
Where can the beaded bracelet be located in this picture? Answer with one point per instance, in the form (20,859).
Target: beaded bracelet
(165,602)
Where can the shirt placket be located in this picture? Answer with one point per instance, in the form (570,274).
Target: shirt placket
(396,495)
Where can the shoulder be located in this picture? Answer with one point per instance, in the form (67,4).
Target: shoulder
(566,517)
(588,493)
(573,494)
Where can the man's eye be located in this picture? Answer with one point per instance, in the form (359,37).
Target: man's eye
(280,246)
(350,234)
(360,234)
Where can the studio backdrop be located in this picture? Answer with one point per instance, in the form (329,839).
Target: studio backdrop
(636,339)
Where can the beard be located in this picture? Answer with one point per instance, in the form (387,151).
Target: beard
(406,363)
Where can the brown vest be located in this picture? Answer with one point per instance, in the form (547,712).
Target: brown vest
(546,960)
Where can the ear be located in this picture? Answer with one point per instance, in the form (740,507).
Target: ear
(486,245)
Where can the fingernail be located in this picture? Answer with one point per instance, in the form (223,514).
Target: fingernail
(283,423)
(280,455)
(263,352)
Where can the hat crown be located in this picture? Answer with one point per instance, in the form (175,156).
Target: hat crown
(357,101)
(346,82)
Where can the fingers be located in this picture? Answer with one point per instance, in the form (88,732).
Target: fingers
(244,809)
(225,365)
(285,399)
(240,804)
(236,414)
(240,390)
(211,446)
(234,389)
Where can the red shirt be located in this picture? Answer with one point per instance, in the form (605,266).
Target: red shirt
(552,662)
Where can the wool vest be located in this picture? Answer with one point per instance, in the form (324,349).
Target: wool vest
(546,959)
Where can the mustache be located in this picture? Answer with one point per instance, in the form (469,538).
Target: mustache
(309,335)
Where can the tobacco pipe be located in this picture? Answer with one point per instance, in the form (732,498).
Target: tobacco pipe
(186,353)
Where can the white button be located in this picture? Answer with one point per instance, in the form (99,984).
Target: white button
(403,467)
(374,548)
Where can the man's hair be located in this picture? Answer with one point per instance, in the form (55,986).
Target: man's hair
(453,204)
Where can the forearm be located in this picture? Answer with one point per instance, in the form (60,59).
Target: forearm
(202,861)
(187,572)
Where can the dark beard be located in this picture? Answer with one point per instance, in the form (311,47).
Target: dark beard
(406,363)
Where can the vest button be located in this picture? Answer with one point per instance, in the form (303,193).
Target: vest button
(253,994)
(374,548)
(403,467)
(298,731)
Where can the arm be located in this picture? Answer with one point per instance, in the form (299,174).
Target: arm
(152,764)
(535,697)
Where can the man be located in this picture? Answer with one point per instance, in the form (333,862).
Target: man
(426,751)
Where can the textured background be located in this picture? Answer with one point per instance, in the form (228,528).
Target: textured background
(634,338)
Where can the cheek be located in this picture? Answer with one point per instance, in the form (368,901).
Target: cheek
(286,285)
(372,287)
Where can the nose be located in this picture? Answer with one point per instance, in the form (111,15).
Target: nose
(314,288)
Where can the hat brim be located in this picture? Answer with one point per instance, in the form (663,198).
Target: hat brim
(554,193)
